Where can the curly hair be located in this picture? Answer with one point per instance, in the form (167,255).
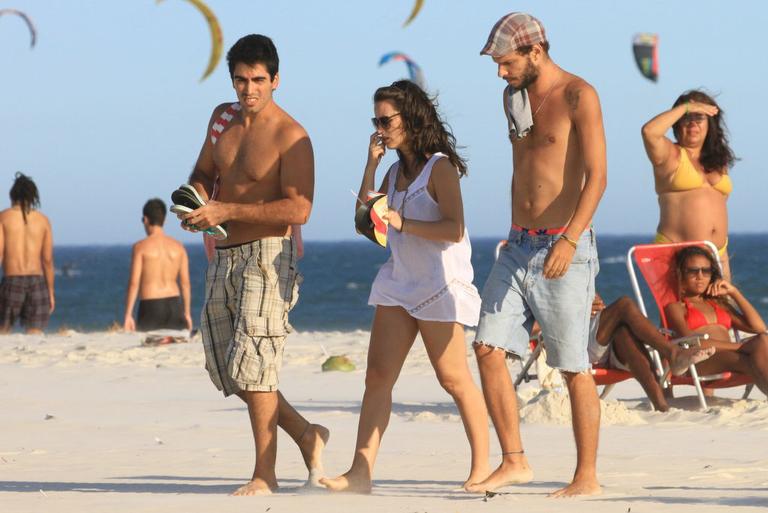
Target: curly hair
(715,154)
(682,256)
(425,132)
(24,194)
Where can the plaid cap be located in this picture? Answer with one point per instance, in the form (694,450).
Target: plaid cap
(513,31)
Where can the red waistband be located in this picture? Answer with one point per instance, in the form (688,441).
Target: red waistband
(539,231)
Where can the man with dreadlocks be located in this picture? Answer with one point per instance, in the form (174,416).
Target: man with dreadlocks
(26,254)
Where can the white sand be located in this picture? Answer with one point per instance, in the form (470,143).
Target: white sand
(93,422)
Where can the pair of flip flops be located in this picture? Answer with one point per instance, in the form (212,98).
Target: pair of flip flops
(186,199)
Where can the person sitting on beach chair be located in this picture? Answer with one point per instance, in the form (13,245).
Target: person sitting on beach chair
(712,305)
(617,335)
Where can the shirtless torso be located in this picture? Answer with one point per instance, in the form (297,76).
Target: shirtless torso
(549,165)
(264,162)
(162,261)
(26,249)
(159,269)
(560,167)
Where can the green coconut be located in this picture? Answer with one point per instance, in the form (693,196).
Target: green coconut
(338,363)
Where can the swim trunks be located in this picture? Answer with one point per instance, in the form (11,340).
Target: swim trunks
(250,288)
(25,298)
(161,313)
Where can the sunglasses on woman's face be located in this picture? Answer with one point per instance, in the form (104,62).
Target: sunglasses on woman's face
(693,118)
(694,271)
(384,121)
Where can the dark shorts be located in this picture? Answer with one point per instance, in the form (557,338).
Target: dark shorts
(163,313)
(25,298)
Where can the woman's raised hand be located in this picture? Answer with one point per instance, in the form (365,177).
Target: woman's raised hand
(721,288)
(701,108)
(376,148)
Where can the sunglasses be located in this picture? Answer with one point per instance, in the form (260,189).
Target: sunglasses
(694,271)
(695,118)
(384,121)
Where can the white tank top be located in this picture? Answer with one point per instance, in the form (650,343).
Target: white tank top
(432,280)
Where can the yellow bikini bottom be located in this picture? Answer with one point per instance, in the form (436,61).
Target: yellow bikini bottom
(662,239)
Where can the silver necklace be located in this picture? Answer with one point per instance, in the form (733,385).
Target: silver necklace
(551,88)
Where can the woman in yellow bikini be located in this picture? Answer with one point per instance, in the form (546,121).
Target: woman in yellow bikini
(691,174)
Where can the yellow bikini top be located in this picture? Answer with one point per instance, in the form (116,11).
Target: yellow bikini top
(687,177)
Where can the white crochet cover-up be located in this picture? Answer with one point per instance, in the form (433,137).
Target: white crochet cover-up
(432,280)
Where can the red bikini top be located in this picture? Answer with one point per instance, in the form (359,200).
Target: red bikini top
(696,319)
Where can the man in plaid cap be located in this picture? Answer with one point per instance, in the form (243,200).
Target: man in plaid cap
(546,271)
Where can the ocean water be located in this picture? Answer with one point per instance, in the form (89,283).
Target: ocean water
(91,280)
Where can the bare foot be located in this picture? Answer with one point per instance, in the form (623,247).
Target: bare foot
(351,482)
(311,444)
(588,486)
(685,357)
(507,474)
(256,486)
(475,476)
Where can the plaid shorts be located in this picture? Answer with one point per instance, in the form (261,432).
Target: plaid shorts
(25,298)
(250,288)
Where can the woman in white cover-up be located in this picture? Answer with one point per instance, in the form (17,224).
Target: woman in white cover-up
(426,285)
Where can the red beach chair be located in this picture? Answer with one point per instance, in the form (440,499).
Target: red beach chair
(656,265)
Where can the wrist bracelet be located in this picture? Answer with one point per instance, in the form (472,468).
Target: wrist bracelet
(569,241)
(686,106)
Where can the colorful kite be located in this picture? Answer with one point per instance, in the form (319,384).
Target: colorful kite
(645,48)
(30,25)
(414,71)
(415,12)
(216,36)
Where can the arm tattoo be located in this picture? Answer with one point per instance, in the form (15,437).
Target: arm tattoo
(572,97)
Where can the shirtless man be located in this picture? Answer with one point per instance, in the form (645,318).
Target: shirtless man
(547,269)
(159,267)
(26,253)
(265,165)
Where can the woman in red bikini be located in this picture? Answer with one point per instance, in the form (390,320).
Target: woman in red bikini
(709,304)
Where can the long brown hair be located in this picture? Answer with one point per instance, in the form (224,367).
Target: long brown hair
(426,133)
(715,154)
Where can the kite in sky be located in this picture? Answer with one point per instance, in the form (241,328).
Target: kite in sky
(415,12)
(645,48)
(216,36)
(30,25)
(414,71)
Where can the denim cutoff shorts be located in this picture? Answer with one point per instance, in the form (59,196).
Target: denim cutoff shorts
(516,293)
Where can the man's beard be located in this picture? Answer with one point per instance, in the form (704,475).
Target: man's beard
(530,75)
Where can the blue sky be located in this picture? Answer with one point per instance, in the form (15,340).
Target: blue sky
(107,111)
